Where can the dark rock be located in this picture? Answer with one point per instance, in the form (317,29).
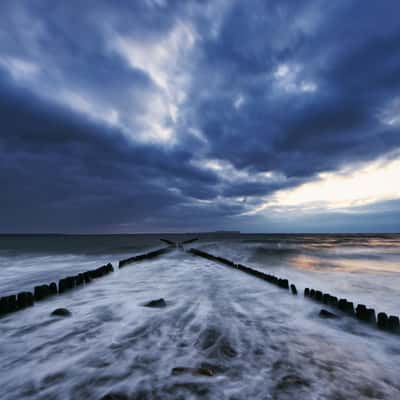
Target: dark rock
(205,371)
(61,312)
(327,314)
(180,370)
(290,381)
(156,303)
(382,321)
(114,396)
(306,292)
(289,387)
(227,350)
(208,338)
(293,289)
(312,293)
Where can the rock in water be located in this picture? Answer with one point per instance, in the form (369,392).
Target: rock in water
(156,303)
(114,396)
(205,371)
(291,381)
(61,312)
(327,314)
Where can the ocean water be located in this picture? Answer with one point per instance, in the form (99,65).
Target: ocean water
(255,340)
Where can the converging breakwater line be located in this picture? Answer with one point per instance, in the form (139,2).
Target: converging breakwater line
(283,283)
(145,256)
(219,333)
(16,302)
(362,313)
(22,300)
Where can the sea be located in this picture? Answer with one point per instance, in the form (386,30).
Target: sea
(223,334)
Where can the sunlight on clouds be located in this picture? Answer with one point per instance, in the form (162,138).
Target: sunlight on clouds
(151,126)
(27,71)
(18,68)
(287,78)
(164,61)
(84,105)
(308,86)
(371,183)
(198,134)
(239,101)
(390,115)
(228,172)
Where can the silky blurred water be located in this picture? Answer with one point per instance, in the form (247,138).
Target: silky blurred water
(259,341)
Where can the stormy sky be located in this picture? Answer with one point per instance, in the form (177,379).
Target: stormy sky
(167,115)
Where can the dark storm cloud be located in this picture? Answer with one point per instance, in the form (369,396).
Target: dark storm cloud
(60,171)
(347,50)
(293,88)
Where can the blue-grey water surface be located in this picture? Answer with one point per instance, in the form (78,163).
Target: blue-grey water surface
(259,341)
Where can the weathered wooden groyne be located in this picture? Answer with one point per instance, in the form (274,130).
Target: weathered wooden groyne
(190,241)
(361,312)
(282,283)
(169,242)
(145,256)
(15,302)
(22,300)
(178,244)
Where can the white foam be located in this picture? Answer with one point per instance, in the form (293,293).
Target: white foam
(260,341)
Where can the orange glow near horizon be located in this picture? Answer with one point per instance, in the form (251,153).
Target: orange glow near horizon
(370,183)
